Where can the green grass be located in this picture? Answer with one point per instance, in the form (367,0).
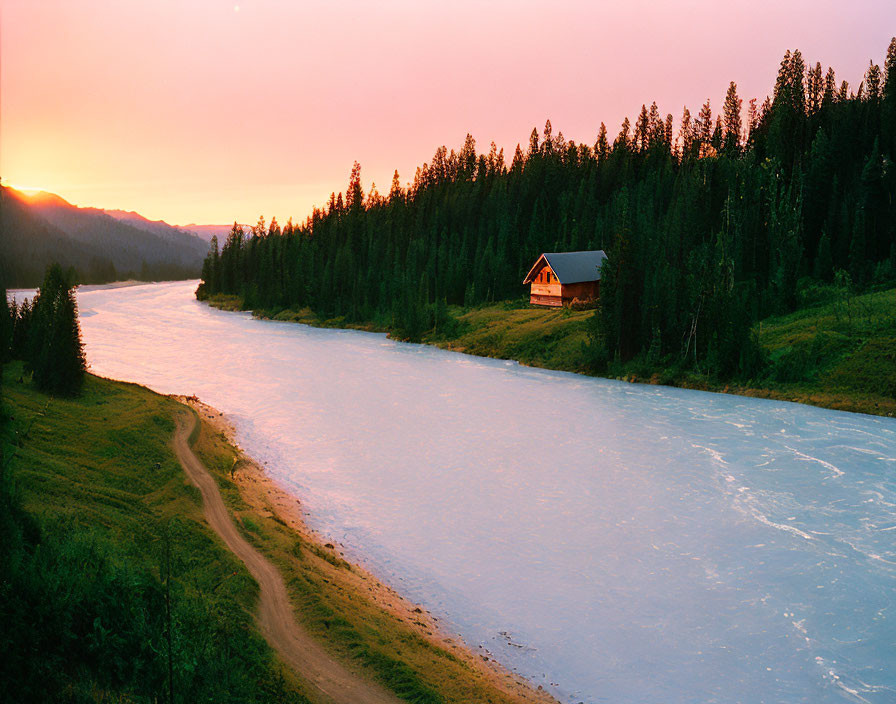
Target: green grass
(839,352)
(553,338)
(94,499)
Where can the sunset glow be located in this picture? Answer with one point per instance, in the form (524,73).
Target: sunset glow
(206,111)
(27,190)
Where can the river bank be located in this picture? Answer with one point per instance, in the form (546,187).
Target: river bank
(102,467)
(835,352)
(458,478)
(342,600)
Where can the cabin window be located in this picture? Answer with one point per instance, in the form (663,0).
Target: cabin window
(548,276)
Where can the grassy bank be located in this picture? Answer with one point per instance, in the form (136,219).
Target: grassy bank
(97,516)
(837,351)
(97,512)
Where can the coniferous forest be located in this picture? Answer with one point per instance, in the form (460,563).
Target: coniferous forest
(710,223)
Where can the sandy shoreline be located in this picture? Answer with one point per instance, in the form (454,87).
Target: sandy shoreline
(264,494)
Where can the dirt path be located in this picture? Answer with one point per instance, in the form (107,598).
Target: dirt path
(275,615)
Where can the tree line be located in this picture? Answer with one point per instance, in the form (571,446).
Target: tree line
(709,225)
(45,333)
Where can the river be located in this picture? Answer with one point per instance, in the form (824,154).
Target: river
(612,542)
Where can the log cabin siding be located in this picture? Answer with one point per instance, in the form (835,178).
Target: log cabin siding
(543,293)
(548,289)
(584,291)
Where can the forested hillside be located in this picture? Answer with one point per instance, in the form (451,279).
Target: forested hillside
(44,228)
(161,228)
(710,223)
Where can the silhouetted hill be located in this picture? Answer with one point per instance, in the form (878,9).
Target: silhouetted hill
(42,228)
(172,233)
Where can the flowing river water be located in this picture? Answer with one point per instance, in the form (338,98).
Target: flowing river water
(612,542)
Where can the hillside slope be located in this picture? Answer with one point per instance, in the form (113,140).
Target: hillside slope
(160,228)
(40,229)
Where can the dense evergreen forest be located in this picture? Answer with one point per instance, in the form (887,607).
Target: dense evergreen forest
(709,225)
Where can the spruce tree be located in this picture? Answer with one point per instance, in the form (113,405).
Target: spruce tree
(56,353)
(5,342)
(602,146)
(733,124)
(6,327)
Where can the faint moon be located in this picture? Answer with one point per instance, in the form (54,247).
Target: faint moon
(236,8)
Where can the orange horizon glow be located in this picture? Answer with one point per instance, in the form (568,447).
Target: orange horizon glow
(206,112)
(27,190)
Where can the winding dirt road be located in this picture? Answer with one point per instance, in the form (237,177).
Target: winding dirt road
(275,614)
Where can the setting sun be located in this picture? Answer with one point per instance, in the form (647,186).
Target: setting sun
(27,190)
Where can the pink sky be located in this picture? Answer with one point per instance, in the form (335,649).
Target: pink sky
(196,111)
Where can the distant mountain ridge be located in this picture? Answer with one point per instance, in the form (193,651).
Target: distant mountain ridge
(157,227)
(206,232)
(41,228)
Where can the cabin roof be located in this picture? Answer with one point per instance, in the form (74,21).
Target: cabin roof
(570,267)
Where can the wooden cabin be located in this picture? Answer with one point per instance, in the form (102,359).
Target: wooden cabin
(557,278)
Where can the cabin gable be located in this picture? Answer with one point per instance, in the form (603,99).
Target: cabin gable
(546,288)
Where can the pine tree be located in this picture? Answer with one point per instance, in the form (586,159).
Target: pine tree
(890,71)
(623,139)
(533,143)
(516,166)
(395,192)
(704,126)
(640,140)
(888,116)
(814,89)
(872,84)
(655,128)
(685,134)
(56,353)
(668,127)
(843,94)
(781,95)
(602,146)
(830,88)
(796,76)
(354,194)
(5,347)
(733,123)
(547,146)
(752,121)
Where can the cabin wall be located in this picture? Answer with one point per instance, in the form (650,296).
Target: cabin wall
(547,289)
(584,291)
(546,294)
(556,294)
